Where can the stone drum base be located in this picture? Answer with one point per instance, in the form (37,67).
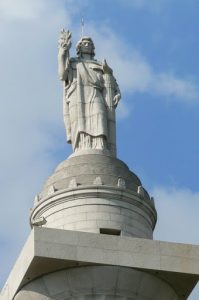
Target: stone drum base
(97,282)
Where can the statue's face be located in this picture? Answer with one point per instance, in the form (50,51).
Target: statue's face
(87,47)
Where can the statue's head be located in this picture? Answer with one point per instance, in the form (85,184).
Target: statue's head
(85,46)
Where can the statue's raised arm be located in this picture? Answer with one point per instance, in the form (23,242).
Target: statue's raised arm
(63,54)
(91,95)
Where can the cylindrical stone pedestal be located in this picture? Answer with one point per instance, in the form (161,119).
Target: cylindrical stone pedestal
(95,193)
(97,282)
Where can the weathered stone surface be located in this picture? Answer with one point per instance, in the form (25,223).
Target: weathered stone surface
(91,214)
(85,169)
(51,250)
(91,95)
(93,192)
(98,282)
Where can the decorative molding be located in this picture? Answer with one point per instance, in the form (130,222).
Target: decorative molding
(121,183)
(98,181)
(72,183)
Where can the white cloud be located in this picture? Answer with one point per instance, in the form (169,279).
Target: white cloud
(168,84)
(21,9)
(135,74)
(177,214)
(30,112)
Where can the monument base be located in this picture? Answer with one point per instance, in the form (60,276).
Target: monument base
(70,263)
(97,282)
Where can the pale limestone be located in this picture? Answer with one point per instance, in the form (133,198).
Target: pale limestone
(64,249)
(91,95)
(85,168)
(98,282)
(132,218)
(102,187)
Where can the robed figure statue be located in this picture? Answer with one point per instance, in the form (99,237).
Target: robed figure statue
(91,95)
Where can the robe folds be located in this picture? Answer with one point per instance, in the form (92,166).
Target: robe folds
(85,108)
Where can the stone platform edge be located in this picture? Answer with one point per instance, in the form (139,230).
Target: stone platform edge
(48,250)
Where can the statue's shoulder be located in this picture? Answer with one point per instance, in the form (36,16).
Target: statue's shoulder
(96,62)
(73,61)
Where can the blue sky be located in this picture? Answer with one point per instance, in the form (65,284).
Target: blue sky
(153,49)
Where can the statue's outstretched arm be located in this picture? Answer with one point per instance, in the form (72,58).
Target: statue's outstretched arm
(63,54)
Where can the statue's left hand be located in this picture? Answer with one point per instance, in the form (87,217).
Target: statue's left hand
(116,99)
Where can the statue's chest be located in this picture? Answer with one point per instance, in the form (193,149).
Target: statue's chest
(88,67)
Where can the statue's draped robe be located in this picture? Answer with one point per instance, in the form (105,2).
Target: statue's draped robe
(84,105)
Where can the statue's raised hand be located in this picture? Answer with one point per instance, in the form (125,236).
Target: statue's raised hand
(65,40)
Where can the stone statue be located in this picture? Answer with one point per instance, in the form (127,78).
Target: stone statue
(91,95)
